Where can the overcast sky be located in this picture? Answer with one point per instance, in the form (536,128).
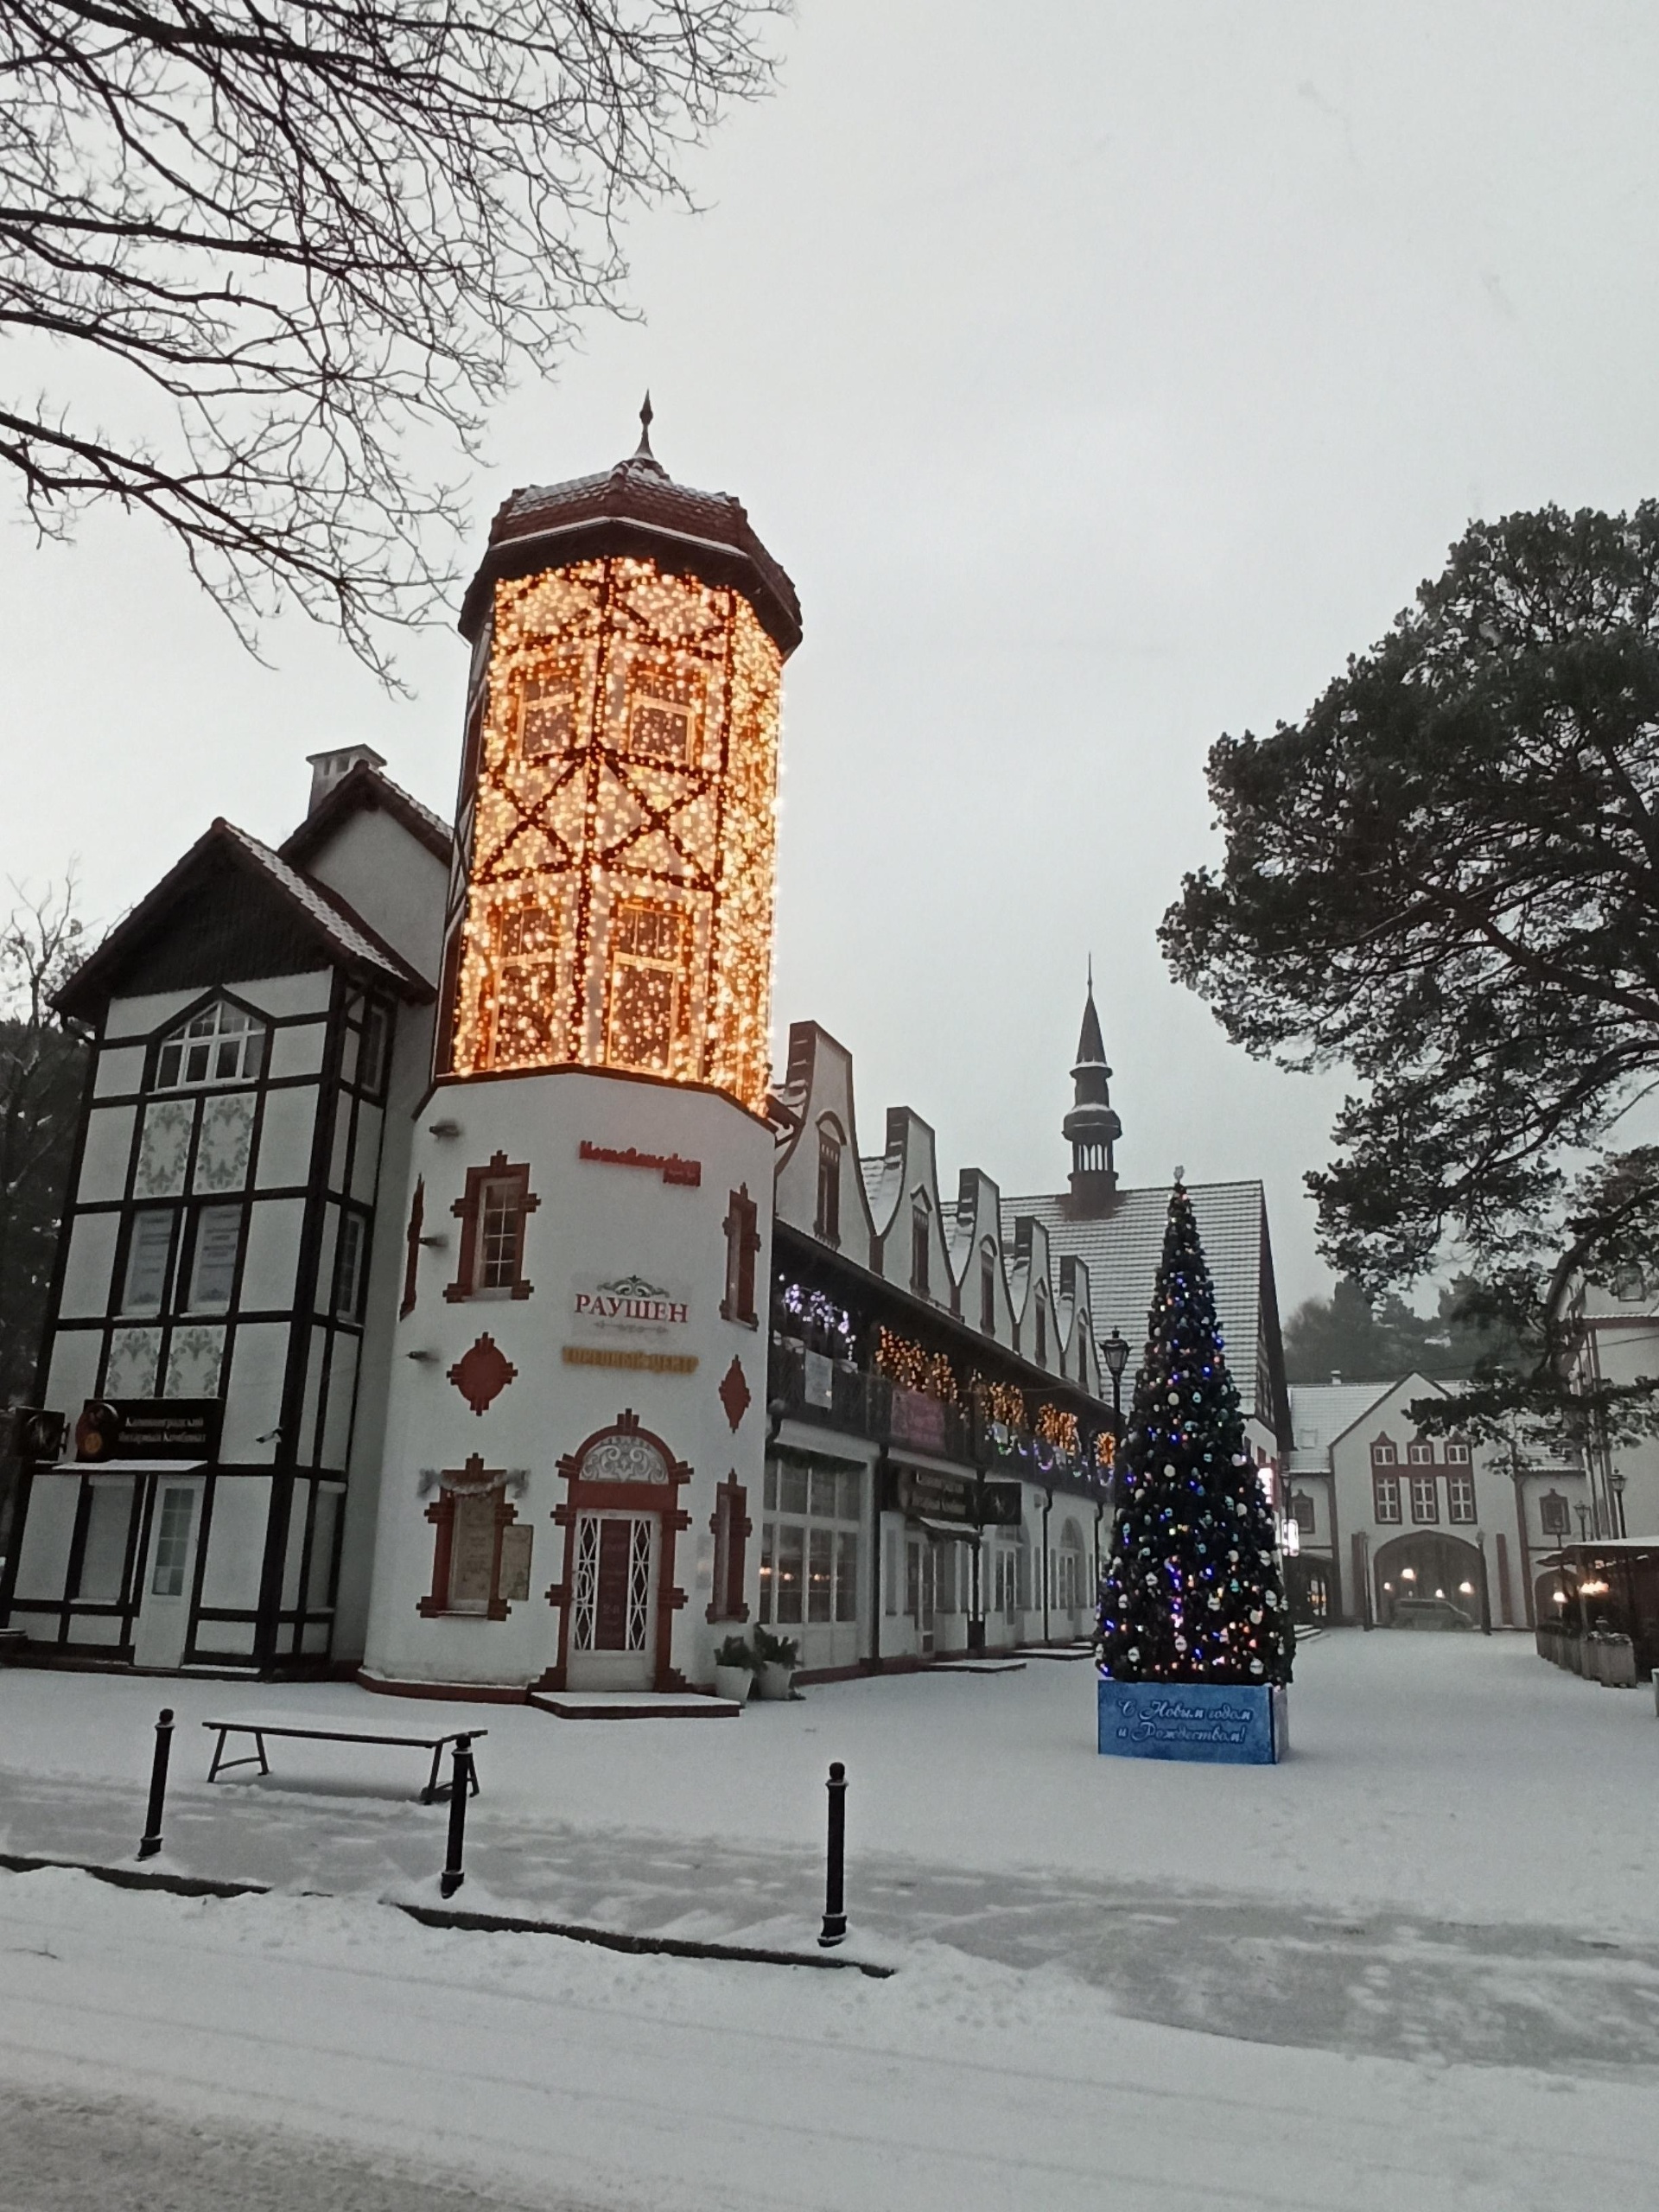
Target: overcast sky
(1103,375)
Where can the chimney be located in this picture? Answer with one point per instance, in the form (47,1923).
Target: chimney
(329,768)
(1336,1378)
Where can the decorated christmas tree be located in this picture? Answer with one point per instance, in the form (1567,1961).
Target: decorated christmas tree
(1192,1591)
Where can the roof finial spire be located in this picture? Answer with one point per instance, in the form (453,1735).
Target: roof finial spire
(1091,974)
(642,451)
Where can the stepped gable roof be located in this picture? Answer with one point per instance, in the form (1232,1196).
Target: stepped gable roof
(636,508)
(1121,1250)
(322,916)
(366,788)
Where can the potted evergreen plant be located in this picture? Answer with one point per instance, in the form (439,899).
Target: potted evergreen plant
(735,1666)
(777,1658)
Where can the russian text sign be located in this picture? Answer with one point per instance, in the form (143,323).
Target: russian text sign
(1202,1721)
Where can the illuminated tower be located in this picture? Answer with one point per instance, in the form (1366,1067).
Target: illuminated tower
(614,888)
(589,1219)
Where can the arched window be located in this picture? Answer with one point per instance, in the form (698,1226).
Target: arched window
(222,1044)
(828,1222)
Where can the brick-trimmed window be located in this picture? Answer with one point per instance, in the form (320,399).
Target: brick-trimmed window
(480,1554)
(1457,1455)
(741,1225)
(1555,1514)
(731,1529)
(1424,1499)
(1385,1494)
(491,1260)
(412,1248)
(1460,1495)
(1302,1511)
(827,1223)
(1420,1454)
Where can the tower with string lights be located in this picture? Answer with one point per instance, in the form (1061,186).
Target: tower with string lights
(576,1419)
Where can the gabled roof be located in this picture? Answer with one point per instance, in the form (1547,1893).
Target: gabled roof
(1121,1250)
(1327,1412)
(330,925)
(366,789)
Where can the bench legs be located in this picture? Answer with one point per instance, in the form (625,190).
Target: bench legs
(256,1758)
(437,1791)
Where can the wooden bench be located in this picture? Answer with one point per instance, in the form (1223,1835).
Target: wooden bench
(259,1725)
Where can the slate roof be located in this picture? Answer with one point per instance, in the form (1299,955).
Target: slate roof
(636,507)
(367,787)
(349,933)
(1321,1412)
(1121,1250)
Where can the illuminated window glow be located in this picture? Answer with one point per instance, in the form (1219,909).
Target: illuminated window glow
(620,848)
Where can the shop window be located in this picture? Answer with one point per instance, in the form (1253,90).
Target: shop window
(1385,1494)
(731,1529)
(742,1247)
(217,1246)
(493,1213)
(1424,1499)
(827,1223)
(1460,1496)
(1555,1515)
(222,1044)
(480,1555)
(1302,1511)
(809,1545)
(150,1254)
(988,1292)
(920,1244)
(646,1013)
(350,1266)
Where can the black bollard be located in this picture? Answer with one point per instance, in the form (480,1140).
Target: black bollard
(834,1902)
(460,1780)
(150,1842)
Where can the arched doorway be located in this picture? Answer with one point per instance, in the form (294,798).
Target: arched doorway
(1429,1580)
(1072,1577)
(620,1517)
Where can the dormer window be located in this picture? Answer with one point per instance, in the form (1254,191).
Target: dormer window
(987,1291)
(1042,1332)
(827,1224)
(919,1246)
(222,1044)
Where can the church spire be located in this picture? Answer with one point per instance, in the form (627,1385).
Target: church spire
(1092,1129)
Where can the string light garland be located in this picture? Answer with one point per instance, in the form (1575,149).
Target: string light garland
(1056,1426)
(814,1313)
(1192,1591)
(906,1363)
(622,836)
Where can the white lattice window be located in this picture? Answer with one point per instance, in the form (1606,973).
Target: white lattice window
(585,1605)
(222,1044)
(639,1585)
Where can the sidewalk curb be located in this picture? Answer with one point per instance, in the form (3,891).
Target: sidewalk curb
(482,1923)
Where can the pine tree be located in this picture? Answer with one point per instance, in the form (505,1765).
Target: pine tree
(1192,1592)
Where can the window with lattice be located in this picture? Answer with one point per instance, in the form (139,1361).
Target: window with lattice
(492,1212)
(646,1012)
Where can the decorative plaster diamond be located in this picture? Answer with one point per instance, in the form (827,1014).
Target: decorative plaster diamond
(483,1373)
(734,1392)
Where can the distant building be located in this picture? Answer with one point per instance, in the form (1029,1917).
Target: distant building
(1616,1339)
(1396,1528)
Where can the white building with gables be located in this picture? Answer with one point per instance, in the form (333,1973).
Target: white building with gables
(452,1294)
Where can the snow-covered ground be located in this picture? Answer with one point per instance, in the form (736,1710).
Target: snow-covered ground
(1418,1963)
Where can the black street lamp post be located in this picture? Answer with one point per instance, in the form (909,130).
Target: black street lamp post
(1114,1350)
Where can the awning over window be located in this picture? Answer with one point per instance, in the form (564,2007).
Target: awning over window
(125,1467)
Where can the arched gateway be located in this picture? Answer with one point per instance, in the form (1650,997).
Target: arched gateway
(1429,1580)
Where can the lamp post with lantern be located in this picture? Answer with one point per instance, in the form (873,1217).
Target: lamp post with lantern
(1115,1352)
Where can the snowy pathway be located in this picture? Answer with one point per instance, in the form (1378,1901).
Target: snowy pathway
(558,2075)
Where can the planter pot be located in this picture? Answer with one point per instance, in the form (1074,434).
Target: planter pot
(775,1679)
(733,1682)
(1246,1726)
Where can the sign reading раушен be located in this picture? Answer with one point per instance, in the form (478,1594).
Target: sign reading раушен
(630,1305)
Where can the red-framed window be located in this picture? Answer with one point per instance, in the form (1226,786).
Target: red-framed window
(489,1260)
(481,1550)
(827,1223)
(1460,1496)
(742,1246)
(1425,1497)
(1385,1494)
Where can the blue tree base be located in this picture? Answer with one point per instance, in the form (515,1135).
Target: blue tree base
(1246,1726)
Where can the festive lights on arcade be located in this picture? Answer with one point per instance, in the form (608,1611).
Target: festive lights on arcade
(623,838)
